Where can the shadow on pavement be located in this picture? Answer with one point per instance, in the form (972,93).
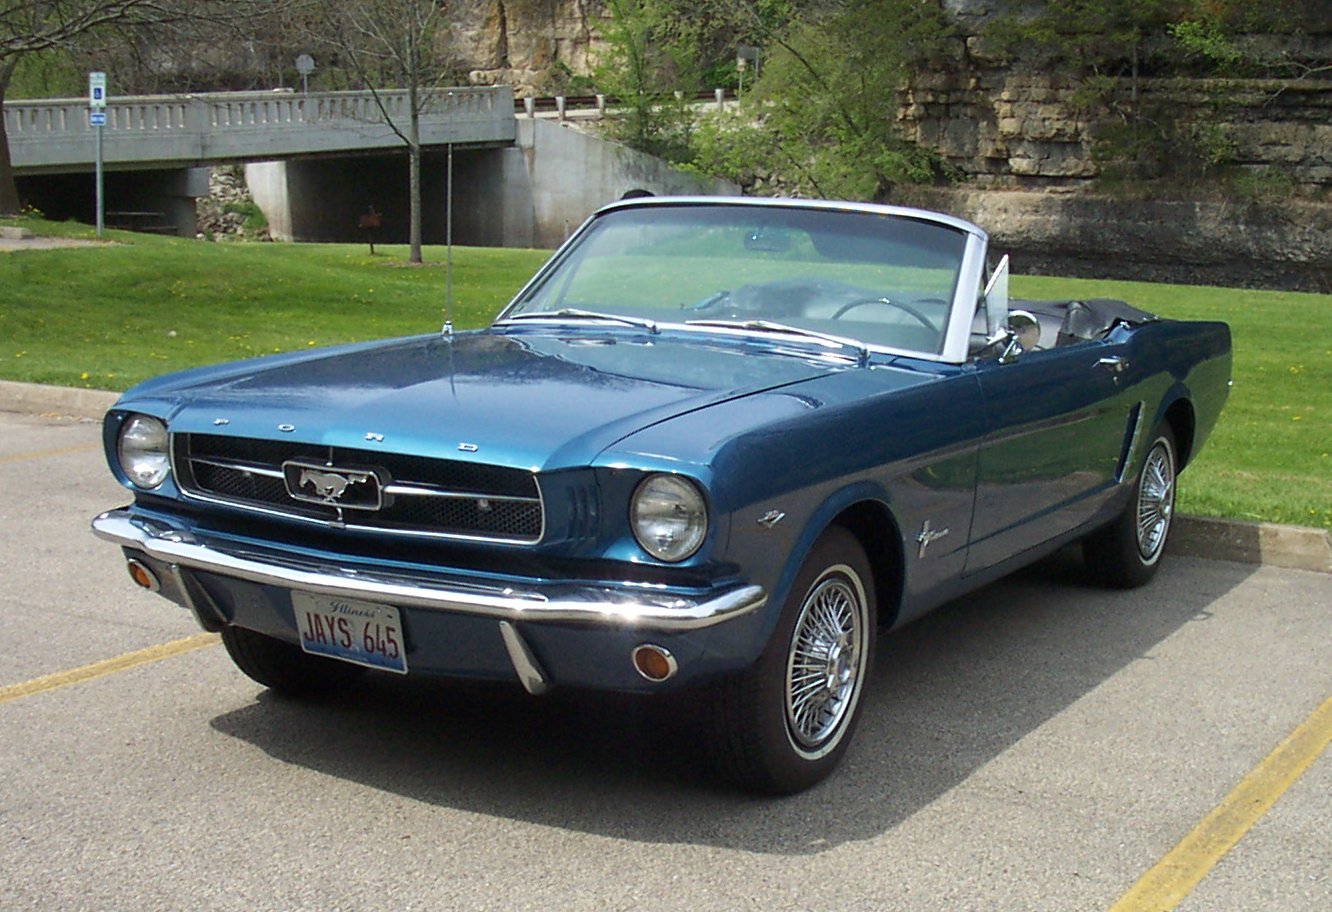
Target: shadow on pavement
(950,693)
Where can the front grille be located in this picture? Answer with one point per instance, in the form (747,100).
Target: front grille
(420,495)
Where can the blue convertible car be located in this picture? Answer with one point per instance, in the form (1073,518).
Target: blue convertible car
(713,444)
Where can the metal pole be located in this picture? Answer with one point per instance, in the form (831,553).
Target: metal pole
(101,205)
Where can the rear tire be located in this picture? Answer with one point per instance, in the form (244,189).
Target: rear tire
(1126,553)
(783,725)
(283,667)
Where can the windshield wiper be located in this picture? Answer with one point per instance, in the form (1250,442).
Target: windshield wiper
(862,351)
(576,314)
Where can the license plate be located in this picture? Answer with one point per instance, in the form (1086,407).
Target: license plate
(362,633)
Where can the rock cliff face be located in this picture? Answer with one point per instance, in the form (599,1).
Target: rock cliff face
(532,45)
(1008,122)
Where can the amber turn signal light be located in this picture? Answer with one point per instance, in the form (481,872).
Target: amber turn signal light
(654,663)
(142,575)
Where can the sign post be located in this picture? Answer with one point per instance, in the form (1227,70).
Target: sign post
(97,120)
(305,65)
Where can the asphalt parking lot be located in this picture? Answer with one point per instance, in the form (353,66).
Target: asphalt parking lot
(1040,745)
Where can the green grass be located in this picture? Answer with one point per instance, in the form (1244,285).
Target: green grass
(109,316)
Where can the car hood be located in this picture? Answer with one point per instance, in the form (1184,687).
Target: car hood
(529,400)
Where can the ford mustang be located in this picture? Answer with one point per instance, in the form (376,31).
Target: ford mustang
(716,444)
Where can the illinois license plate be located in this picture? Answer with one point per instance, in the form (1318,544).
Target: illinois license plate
(363,633)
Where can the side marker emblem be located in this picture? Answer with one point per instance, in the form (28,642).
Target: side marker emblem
(927,537)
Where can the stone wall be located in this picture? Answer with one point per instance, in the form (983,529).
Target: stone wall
(1003,128)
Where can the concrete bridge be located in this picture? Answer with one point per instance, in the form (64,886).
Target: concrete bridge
(191,130)
(316,162)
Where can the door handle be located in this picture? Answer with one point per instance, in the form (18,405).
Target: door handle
(1116,363)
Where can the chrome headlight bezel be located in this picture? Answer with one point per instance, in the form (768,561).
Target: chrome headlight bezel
(143,449)
(669,517)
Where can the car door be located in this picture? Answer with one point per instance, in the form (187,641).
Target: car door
(1059,423)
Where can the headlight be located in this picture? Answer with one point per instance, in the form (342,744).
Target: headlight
(143,451)
(669,517)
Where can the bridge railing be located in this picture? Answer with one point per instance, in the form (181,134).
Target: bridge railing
(54,134)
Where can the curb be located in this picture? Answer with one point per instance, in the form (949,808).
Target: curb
(1269,544)
(38,399)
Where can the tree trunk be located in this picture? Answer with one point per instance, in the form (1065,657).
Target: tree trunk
(9,198)
(414,174)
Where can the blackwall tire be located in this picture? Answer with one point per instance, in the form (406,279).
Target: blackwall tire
(283,667)
(784,724)
(1127,553)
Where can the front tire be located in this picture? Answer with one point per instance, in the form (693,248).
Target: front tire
(783,725)
(283,667)
(1126,553)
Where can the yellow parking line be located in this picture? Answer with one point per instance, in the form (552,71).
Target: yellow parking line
(46,454)
(105,667)
(1183,867)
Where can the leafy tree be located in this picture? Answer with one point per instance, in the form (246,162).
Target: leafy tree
(826,102)
(649,69)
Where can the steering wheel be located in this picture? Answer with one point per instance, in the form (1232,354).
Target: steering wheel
(906,308)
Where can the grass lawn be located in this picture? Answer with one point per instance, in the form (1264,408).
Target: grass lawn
(106,317)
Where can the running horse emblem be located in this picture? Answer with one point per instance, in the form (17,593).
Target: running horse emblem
(330,486)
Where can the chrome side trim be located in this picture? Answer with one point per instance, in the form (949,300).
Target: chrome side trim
(1131,453)
(525,664)
(624,605)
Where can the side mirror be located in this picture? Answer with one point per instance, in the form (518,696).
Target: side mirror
(1026,329)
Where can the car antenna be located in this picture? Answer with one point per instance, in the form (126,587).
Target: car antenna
(448,244)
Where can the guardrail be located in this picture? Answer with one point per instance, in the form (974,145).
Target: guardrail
(54,134)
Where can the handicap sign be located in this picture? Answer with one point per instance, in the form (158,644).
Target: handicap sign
(96,90)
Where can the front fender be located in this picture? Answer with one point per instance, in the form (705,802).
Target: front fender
(749,537)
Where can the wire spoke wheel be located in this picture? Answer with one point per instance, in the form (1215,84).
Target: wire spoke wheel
(1156,500)
(826,663)
(1126,552)
(784,723)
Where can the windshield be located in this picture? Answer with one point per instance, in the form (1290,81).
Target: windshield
(878,279)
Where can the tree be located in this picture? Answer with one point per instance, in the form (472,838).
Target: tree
(825,105)
(649,69)
(389,44)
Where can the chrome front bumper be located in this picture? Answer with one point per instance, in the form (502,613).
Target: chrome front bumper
(628,605)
